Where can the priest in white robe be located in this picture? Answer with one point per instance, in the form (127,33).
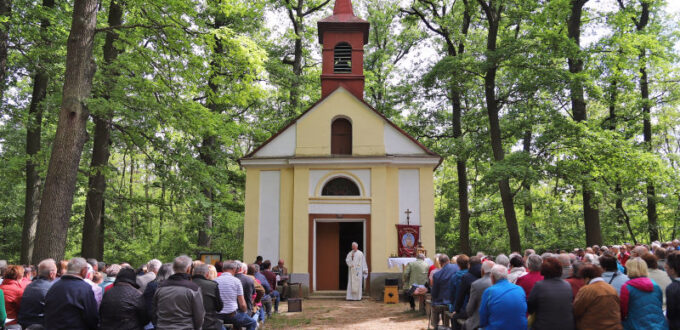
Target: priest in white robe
(358,271)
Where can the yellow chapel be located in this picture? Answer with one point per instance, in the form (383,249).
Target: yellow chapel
(339,173)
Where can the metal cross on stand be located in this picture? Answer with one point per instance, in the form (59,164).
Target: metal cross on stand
(408,216)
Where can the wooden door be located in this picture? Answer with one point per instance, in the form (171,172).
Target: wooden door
(327,252)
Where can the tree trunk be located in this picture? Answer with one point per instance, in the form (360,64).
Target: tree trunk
(209,143)
(93,228)
(33,138)
(33,181)
(94,204)
(622,212)
(592,217)
(457,115)
(62,172)
(461,170)
(133,213)
(297,14)
(161,214)
(613,120)
(493,16)
(297,71)
(461,166)
(296,17)
(591,213)
(206,153)
(652,216)
(528,206)
(5,11)
(675,219)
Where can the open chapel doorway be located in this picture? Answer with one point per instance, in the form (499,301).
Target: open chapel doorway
(332,241)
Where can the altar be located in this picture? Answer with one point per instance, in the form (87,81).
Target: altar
(399,263)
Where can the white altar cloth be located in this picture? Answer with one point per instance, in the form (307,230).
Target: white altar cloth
(401,262)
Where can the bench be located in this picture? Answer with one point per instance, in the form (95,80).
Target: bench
(439,312)
(422,298)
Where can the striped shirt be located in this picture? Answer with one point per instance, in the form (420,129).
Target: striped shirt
(230,288)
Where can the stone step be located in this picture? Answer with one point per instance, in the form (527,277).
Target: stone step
(321,297)
(328,294)
(333,295)
(331,292)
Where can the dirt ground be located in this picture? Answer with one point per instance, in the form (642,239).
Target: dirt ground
(341,314)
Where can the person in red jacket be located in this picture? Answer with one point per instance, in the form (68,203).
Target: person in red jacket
(527,281)
(13,289)
(624,255)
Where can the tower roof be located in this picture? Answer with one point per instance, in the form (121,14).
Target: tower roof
(343,7)
(343,19)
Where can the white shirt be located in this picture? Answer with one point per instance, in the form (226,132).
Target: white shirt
(230,288)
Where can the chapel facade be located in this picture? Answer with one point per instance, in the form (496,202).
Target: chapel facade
(339,173)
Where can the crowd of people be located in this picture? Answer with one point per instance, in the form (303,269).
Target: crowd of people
(184,294)
(609,287)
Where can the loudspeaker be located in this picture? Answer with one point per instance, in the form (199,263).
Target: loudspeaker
(391,281)
(391,294)
(294,305)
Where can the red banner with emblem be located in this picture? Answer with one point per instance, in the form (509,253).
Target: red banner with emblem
(408,237)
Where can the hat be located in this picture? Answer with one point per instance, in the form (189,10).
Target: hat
(127,275)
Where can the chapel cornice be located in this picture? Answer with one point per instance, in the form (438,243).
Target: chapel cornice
(353,161)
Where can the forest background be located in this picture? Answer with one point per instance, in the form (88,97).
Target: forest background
(122,122)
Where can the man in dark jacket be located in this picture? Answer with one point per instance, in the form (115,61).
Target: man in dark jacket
(271,278)
(70,303)
(248,286)
(32,310)
(178,303)
(442,286)
(441,281)
(123,306)
(463,290)
(672,267)
(211,297)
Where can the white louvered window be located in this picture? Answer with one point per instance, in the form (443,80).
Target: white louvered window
(342,58)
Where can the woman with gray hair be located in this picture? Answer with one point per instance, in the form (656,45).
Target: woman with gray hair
(503,260)
(527,281)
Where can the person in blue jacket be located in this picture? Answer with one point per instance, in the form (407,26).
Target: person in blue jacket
(442,282)
(463,262)
(641,299)
(3,314)
(442,288)
(504,305)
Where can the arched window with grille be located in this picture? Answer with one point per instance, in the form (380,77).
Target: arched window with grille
(342,58)
(341,137)
(340,187)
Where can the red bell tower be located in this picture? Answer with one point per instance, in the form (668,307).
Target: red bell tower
(343,37)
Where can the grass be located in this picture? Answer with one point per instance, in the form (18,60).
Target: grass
(277,321)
